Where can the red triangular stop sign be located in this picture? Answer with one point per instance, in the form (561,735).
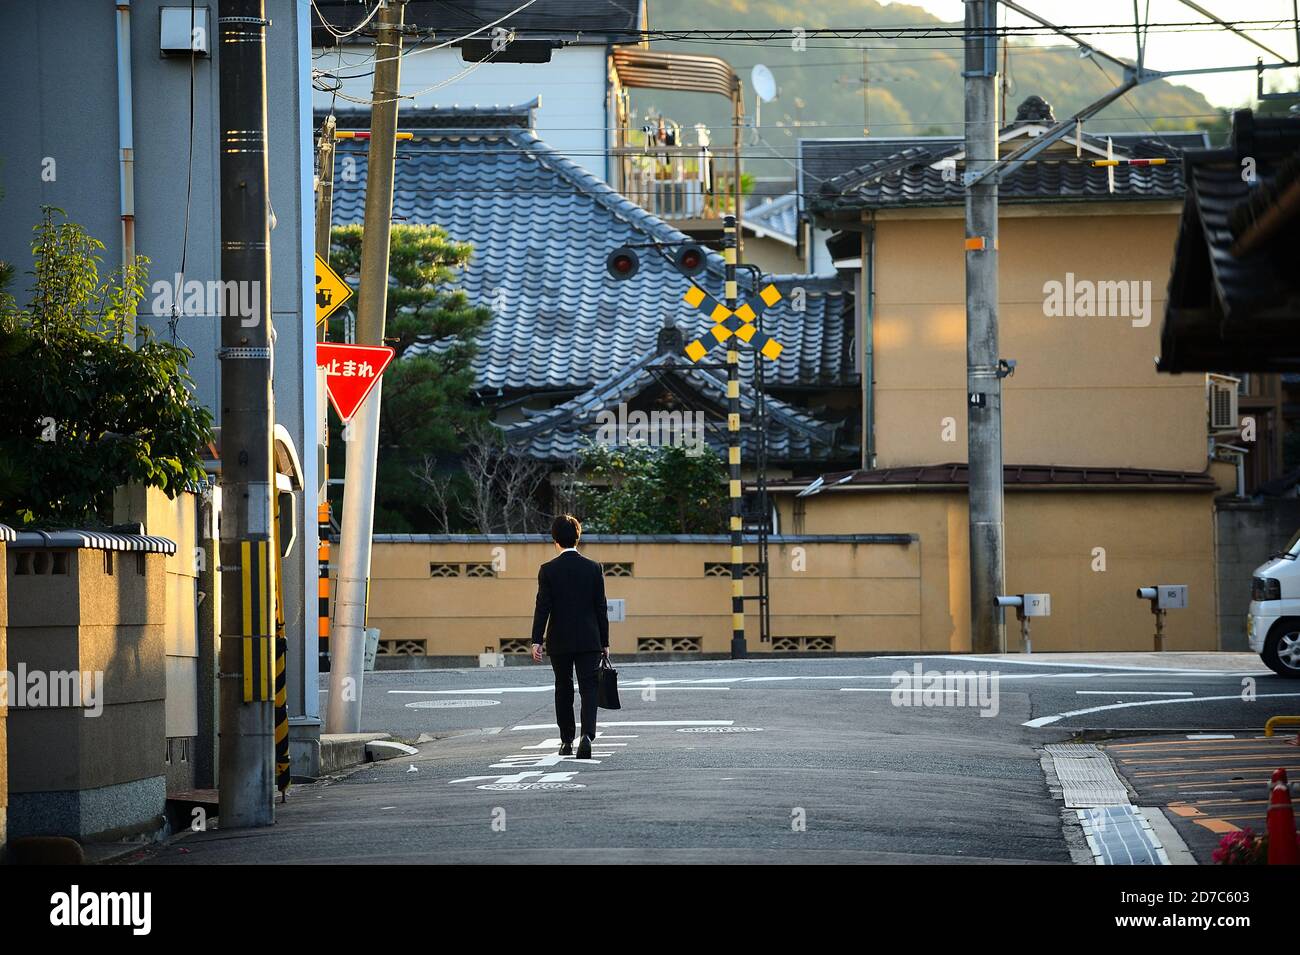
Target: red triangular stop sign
(351,372)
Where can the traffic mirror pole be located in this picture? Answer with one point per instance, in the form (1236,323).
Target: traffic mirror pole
(348,637)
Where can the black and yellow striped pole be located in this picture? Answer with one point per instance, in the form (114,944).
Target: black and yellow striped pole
(281,663)
(733,447)
(730,322)
(323,575)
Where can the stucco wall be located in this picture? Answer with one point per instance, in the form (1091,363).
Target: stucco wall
(1052,539)
(865,595)
(1085,390)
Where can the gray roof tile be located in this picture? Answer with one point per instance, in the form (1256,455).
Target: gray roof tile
(541,227)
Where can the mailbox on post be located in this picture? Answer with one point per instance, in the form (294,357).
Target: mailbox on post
(1163,597)
(1026,606)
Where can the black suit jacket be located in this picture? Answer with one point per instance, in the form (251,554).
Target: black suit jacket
(571,596)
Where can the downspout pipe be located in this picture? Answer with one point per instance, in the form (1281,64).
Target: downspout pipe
(126,142)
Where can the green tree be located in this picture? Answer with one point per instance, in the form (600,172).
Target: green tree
(84,411)
(428,405)
(638,489)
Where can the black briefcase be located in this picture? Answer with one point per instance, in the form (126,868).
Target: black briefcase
(606,685)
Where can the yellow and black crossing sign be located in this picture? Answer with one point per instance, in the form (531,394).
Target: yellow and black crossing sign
(727,322)
(257,568)
(331,290)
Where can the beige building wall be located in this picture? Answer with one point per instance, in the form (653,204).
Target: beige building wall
(1085,390)
(176,520)
(1057,542)
(866,596)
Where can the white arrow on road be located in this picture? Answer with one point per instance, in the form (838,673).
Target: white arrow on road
(1046,720)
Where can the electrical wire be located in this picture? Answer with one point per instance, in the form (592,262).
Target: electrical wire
(329,27)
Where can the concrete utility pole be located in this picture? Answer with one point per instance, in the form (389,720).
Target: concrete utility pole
(348,639)
(247,559)
(983,381)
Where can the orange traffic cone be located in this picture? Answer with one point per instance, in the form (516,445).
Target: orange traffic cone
(1282,848)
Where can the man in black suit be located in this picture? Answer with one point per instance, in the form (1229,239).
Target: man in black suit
(571,596)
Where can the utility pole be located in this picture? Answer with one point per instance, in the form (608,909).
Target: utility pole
(324,194)
(348,640)
(983,378)
(247,559)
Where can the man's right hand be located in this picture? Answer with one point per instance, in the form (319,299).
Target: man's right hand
(537,653)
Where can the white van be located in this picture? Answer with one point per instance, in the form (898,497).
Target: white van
(1273,623)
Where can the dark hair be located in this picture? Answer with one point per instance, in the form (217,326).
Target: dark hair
(565,530)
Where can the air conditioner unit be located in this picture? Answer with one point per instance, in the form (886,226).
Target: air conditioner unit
(1221,392)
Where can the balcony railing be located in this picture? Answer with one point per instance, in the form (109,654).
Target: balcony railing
(678,183)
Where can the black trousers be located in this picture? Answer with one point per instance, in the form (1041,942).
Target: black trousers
(586,663)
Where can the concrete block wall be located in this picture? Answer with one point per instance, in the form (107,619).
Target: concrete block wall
(99,613)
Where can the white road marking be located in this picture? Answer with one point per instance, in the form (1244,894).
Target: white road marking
(1086,666)
(551,726)
(1133,692)
(1212,736)
(711,682)
(915,691)
(1046,720)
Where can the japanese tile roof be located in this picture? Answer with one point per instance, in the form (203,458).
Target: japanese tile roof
(542,227)
(1231,308)
(777,217)
(599,20)
(793,435)
(1014,476)
(92,540)
(883,172)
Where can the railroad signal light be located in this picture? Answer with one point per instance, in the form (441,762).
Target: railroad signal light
(691,259)
(622,264)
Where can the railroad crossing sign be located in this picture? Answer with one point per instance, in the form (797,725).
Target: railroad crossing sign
(351,372)
(727,323)
(331,290)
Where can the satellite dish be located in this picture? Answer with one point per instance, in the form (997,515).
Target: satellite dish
(764,82)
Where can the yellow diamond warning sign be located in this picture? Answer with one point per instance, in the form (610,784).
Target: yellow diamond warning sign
(331,290)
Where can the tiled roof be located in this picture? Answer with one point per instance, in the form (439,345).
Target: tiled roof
(792,435)
(600,19)
(1234,308)
(1014,475)
(778,218)
(92,540)
(515,116)
(869,173)
(541,227)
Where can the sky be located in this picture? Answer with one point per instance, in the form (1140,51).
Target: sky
(1175,51)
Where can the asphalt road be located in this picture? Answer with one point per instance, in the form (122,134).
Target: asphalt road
(746,761)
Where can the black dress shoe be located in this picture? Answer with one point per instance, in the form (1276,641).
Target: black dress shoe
(584,748)
(566,748)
